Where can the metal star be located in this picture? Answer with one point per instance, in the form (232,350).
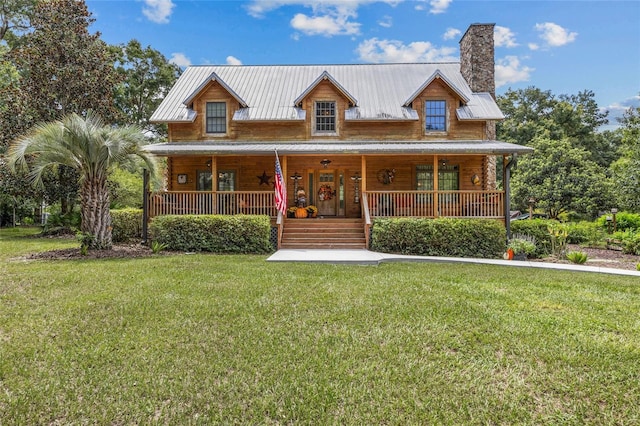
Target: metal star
(264,179)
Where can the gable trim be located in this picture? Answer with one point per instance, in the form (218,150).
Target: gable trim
(437,75)
(325,76)
(214,77)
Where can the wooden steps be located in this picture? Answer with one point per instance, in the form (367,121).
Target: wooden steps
(317,233)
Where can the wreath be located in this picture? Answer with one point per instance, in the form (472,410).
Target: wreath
(325,192)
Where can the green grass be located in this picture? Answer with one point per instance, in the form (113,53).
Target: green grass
(202,339)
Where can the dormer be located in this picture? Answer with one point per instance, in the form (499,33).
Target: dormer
(326,100)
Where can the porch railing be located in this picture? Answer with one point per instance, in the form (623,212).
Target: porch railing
(222,202)
(481,204)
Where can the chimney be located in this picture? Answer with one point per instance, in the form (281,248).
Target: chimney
(477,63)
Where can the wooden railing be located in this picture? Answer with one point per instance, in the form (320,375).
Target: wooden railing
(199,202)
(481,204)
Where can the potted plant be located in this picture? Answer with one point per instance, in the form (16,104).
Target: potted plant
(291,211)
(312,210)
(521,248)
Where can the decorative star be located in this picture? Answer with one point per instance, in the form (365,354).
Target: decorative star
(264,179)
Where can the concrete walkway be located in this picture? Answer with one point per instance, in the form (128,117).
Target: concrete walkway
(366,257)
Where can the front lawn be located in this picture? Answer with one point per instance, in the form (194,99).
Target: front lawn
(209,339)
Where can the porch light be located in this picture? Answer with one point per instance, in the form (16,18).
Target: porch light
(209,163)
(443,162)
(325,163)
(475,179)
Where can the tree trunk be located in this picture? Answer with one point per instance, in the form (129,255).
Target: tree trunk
(96,218)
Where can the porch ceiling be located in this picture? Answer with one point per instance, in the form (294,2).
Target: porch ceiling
(337,147)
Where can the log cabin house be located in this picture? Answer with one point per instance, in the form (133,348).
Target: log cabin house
(359,142)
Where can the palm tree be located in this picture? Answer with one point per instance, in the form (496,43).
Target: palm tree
(90,147)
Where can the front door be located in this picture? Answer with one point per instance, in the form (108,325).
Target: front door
(326,197)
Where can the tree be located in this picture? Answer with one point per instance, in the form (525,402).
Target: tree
(532,113)
(626,171)
(91,148)
(561,178)
(63,69)
(146,78)
(14,17)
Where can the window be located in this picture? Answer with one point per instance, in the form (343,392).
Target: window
(448,178)
(216,117)
(325,117)
(226,180)
(203,180)
(435,116)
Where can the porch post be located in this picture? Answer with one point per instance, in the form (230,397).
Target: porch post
(145,205)
(363,167)
(436,174)
(214,184)
(507,191)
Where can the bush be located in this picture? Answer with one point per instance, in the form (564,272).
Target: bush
(585,233)
(439,237)
(538,229)
(126,224)
(624,221)
(213,233)
(631,243)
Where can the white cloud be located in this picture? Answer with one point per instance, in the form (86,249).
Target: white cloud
(451,33)
(380,51)
(180,60)
(328,17)
(386,21)
(534,46)
(504,37)
(554,35)
(325,25)
(232,60)
(510,70)
(439,6)
(158,11)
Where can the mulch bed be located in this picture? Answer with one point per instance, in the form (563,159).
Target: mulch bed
(121,251)
(604,258)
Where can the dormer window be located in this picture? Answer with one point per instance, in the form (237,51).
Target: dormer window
(325,117)
(435,116)
(217,118)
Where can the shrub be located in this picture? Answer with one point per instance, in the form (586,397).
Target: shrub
(624,221)
(126,224)
(537,228)
(439,237)
(631,243)
(522,244)
(213,233)
(585,233)
(578,257)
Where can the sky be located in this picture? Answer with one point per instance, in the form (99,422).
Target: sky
(562,46)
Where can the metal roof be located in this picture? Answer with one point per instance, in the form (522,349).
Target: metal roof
(270,91)
(329,147)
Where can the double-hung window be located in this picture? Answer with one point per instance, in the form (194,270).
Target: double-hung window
(325,117)
(216,117)
(435,116)
(448,177)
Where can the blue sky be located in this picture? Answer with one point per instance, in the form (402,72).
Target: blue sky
(561,46)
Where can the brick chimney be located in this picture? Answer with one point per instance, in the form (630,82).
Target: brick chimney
(477,62)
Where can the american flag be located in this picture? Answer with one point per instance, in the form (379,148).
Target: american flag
(281,189)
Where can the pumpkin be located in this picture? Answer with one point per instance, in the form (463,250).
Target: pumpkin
(301,212)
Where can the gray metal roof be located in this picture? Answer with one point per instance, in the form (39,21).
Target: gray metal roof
(326,147)
(270,91)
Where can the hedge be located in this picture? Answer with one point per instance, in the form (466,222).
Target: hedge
(126,224)
(538,229)
(624,221)
(482,238)
(213,233)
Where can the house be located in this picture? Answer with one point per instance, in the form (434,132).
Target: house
(358,141)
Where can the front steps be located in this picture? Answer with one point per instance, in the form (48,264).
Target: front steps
(323,233)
